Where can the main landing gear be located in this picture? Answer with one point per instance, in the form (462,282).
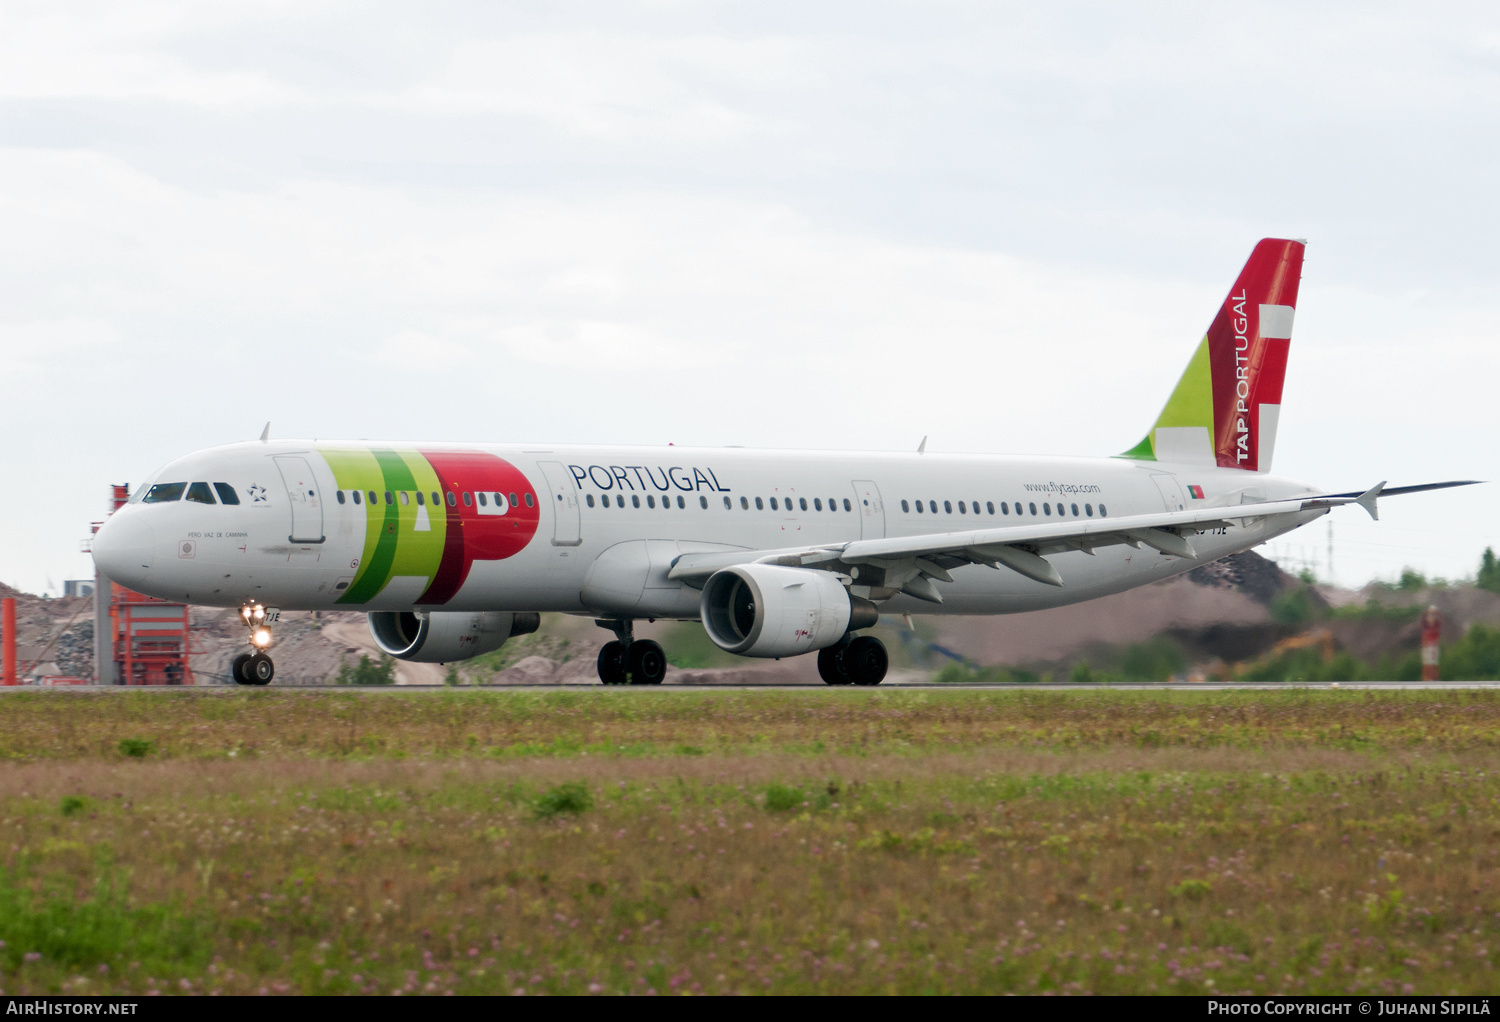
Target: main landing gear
(256,668)
(861,661)
(628,660)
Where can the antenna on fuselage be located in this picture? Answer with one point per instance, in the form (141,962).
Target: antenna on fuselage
(265,434)
(921,447)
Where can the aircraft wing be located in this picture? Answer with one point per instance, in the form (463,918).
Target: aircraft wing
(908,564)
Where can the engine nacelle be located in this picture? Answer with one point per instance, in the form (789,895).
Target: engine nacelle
(444,636)
(768,610)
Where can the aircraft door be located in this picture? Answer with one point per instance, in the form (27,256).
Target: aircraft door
(871,509)
(564,500)
(302,492)
(1171,491)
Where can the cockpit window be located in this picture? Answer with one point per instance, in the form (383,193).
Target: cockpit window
(226,493)
(200,493)
(161,493)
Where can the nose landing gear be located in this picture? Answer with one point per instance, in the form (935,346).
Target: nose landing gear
(256,668)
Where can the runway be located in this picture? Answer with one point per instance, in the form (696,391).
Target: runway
(1210,686)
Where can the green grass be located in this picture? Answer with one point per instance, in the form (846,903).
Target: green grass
(1306,842)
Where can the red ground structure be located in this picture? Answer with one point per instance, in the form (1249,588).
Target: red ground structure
(150,636)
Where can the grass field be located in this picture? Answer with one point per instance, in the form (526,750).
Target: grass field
(668,842)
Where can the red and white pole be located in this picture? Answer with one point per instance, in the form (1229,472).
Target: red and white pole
(1432,632)
(8,624)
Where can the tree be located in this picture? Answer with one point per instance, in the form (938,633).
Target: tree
(1489,572)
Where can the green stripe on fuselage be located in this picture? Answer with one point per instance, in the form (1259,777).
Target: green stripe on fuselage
(393,543)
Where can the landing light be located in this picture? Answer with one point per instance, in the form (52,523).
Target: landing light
(262,637)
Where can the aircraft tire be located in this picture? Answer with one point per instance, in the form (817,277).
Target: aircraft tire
(647,663)
(831,665)
(866,660)
(611,664)
(260,670)
(239,669)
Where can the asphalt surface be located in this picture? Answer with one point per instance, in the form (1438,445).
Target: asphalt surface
(1209,686)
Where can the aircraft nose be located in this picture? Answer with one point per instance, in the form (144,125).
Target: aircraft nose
(123,549)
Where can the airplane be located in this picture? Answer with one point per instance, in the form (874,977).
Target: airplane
(452,549)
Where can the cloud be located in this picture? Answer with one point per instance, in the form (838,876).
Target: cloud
(49,344)
(413,351)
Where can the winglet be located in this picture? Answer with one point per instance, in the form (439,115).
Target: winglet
(922,447)
(265,434)
(1367,499)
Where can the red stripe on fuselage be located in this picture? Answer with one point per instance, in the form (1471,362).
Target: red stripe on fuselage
(472,536)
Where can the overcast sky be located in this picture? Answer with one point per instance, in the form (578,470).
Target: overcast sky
(841,225)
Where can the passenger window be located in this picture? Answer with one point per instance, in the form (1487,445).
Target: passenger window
(500,502)
(635,501)
(420,501)
(905,508)
(405,497)
(989,506)
(513,501)
(589,500)
(773,503)
(340,496)
(961,508)
(947,508)
(848,506)
(390,498)
(468,500)
(744,503)
(758,505)
(1102,512)
(529,501)
(833,504)
(1033,509)
(436,500)
(1047,509)
(373,498)
(817,503)
(199,493)
(1088,509)
(681,503)
(452,500)
(932,506)
(619,500)
(728,505)
(355,495)
(803,502)
(477,493)
(703,502)
(162,493)
(919,507)
(1075,510)
(650,500)
(227,494)
(1005,508)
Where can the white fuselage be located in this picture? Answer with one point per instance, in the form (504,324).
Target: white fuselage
(298,540)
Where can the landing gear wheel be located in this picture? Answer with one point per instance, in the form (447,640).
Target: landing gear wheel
(831,664)
(647,663)
(612,664)
(240,669)
(260,669)
(866,660)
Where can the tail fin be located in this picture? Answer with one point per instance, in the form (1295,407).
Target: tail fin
(1225,408)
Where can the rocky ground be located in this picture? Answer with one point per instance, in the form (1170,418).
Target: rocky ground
(1218,613)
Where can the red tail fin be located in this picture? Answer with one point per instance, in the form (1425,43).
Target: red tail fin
(1226,406)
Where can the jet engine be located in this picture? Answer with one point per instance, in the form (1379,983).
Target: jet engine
(769,610)
(444,636)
